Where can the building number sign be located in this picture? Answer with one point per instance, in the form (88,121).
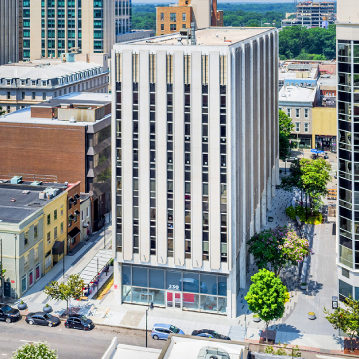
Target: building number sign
(173,287)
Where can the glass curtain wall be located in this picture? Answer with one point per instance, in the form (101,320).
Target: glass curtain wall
(348,158)
(199,291)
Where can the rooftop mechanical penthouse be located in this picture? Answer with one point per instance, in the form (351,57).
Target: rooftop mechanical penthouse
(195,163)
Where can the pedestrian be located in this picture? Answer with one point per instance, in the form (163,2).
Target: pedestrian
(107,269)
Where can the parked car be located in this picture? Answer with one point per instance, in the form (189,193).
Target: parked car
(208,333)
(162,331)
(9,314)
(292,159)
(42,318)
(77,321)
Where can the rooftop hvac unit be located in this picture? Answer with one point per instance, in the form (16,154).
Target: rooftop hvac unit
(16,180)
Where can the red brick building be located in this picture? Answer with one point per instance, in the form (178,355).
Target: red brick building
(66,139)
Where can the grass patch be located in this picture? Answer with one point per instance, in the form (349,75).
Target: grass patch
(293,212)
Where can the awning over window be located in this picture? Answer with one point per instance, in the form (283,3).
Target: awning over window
(58,247)
(74,232)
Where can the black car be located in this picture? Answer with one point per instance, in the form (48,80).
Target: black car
(8,314)
(77,321)
(41,318)
(208,333)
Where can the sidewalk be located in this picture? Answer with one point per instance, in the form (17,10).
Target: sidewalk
(35,298)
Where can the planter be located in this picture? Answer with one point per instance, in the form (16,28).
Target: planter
(304,286)
(311,316)
(256,319)
(47,308)
(22,306)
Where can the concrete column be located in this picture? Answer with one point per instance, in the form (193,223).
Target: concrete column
(161,158)
(242,139)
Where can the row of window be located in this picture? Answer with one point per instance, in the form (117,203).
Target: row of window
(297,112)
(173,16)
(297,126)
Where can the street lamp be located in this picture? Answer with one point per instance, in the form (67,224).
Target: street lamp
(150,306)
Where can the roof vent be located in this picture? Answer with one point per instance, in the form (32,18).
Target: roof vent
(16,180)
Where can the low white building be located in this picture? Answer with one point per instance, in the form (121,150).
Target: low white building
(298,102)
(27,83)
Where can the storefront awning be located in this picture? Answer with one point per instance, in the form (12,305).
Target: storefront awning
(58,247)
(74,232)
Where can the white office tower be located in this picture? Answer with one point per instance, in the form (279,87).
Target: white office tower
(195,163)
(348,154)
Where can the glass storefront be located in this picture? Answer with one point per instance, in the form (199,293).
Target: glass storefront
(174,289)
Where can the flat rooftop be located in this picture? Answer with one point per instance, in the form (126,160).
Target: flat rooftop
(18,201)
(44,69)
(214,36)
(77,98)
(201,348)
(297,94)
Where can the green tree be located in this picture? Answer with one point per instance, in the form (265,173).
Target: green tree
(285,129)
(346,319)
(311,177)
(72,289)
(315,178)
(35,351)
(274,248)
(267,296)
(1,111)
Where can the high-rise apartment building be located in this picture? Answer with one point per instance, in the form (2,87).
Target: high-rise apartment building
(123,17)
(10,31)
(53,27)
(313,14)
(195,163)
(348,154)
(173,18)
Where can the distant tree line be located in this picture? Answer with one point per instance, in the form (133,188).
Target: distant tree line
(294,42)
(300,43)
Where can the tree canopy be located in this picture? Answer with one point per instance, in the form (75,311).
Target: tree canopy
(267,296)
(297,42)
(274,248)
(35,351)
(285,128)
(311,177)
(345,319)
(71,289)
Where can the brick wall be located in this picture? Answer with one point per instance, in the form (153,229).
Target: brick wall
(43,150)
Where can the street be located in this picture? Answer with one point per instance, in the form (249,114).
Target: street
(69,343)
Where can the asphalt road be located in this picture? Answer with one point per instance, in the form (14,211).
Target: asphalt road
(69,343)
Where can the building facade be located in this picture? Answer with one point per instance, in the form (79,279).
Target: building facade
(55,229)
(193,179)
(348,153)
(67,139)
(25,84)
(297,103)
(10,31)
(173,18)
(86,26)
(123,17)
(33,215)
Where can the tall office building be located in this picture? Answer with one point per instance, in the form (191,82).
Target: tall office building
(173,18)
(348,154)
(54,27)
(195,163)
(10,31)
(123,16)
